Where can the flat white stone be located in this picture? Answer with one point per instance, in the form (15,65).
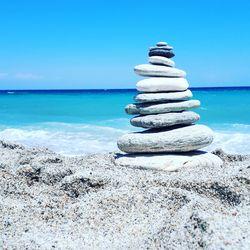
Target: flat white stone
(162,97)
(159,44)
(169,162)
(158,70)
(161,47)
(162,84)
(172,140)
(165,120)
(155,108)
(161,60)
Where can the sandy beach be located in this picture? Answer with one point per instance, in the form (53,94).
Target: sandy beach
(50,201)
(124,125)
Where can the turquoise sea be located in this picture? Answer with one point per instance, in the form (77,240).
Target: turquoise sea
(74,122)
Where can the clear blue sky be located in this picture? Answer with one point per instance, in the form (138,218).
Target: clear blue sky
(96,44)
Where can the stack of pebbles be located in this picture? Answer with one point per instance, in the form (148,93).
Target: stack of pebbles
(171,140)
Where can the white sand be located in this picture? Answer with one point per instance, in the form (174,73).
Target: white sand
(49,201)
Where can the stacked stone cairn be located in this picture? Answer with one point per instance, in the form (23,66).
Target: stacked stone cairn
(171,139)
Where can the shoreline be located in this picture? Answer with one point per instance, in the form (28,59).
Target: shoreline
(54,201)
(124,89)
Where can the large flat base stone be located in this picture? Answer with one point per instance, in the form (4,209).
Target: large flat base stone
(169,162)
(173,139)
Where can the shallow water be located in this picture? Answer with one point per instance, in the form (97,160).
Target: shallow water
(78,122)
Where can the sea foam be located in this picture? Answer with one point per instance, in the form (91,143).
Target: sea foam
(78,139)
(66,139)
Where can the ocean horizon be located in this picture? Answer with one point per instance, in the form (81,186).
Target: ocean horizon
(116,89)
(82,121)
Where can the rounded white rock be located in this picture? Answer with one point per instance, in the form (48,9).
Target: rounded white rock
(169,162)
(155,108)
(165,120)
(167,47)
(160,44)
(162,84)
(163,97)
(161,60)
(158,70)
(177,139)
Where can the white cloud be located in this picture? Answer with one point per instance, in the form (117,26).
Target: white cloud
(27,76)
(20,76)
(3,75)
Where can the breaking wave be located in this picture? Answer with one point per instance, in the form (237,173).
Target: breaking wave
(79,139)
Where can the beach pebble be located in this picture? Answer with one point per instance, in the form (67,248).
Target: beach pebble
(162,52)
(170,162)
(160,60)
(168,48)
(160,44)
(158,70)
(155,108)
(177,139)
(162,84)
(163,97)
(165,120)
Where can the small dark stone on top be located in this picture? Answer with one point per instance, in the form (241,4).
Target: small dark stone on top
(161,52)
